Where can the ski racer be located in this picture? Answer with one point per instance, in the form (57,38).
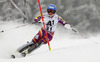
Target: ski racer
(51,20)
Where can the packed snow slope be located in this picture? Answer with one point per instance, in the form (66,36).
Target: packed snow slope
(66,45)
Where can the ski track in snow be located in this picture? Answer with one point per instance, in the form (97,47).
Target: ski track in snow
(66,46)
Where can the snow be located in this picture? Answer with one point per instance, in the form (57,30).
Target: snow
(66,46)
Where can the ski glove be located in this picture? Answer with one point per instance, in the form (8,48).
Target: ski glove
(67,26)
(45,21)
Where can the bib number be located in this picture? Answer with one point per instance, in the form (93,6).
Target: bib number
(49,25)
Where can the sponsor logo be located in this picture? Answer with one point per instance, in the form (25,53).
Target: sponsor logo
(51,7)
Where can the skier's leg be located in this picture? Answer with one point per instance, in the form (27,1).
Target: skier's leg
(24,47)
(41,34)
(38,40)
(35,40)
(50,36)
(35,46)
(32,48)
(37,37)
(43,40)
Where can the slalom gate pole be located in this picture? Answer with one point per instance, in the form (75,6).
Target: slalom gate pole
(44,25)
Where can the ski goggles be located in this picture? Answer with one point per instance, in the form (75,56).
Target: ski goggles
(50,10)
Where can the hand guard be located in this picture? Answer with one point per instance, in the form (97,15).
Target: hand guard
(67,26)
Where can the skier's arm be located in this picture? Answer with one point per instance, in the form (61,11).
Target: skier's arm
(61,21)
(37,18)
(64,23)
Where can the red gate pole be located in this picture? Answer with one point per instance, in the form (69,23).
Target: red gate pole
(44,25)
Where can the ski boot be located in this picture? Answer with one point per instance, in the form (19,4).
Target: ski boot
(24,47)
(31,48)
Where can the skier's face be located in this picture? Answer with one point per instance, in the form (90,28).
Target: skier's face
(50,12)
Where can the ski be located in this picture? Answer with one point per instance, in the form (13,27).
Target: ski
(13,56)
(18,55)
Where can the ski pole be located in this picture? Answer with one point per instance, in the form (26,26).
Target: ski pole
(16,27)
(79,33)
(68,27)
(83,35)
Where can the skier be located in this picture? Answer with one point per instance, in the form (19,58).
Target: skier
(51,20)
